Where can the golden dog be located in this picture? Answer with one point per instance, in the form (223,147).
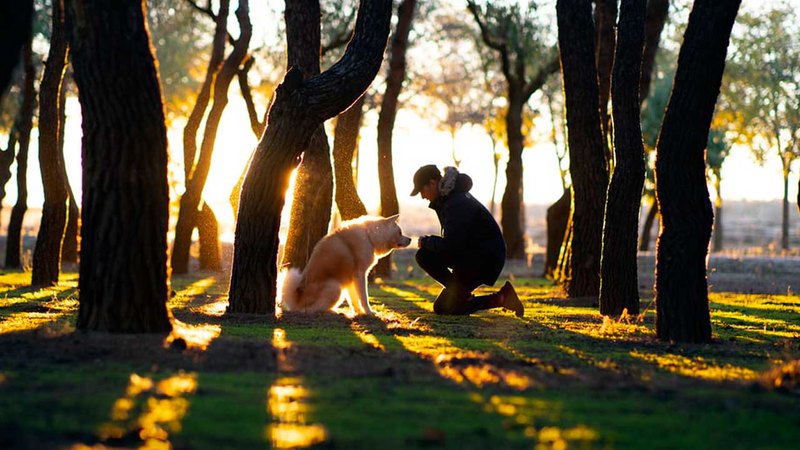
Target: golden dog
(339,265)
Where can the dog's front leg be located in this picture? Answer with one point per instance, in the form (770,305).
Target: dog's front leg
(363,296)
(354,298)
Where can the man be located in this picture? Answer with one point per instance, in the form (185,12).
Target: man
(471,250)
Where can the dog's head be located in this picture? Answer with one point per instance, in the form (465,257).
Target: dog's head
(388,235)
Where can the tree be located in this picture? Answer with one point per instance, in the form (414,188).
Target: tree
(587,155)
(298,108)
(345,143)
(123,274)
(717,150)
(619,280)
(605,14)
(23,127)
(313,192)
(681,283)
(386,118)
(47,254)
(526,60)
(764,89)
(189,216)
(15,25)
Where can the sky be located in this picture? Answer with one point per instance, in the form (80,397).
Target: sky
(415,143)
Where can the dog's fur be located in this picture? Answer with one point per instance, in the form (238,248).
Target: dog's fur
(339,265)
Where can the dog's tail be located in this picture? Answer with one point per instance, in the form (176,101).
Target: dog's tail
(289,290)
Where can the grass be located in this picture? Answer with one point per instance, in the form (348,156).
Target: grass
(562,377)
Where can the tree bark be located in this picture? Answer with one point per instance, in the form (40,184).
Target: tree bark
(718,231)
(299,107)
(345,143)
(15,31)
(681,283)
(557,221)
(785,210)
(123,275)
(644,238)
(23,128)
(605,15)
(619,280)
(190,201)
(71,242)
(512,204)
(586,150)
(394,84)
(47,253)
(313,187)
(208,229)
(656,16)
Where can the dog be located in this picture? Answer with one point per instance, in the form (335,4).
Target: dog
(339,265)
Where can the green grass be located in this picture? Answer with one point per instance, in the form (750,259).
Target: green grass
(562,377)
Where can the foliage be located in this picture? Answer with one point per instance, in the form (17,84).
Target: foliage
(563,376)
(182,39)
(764,83)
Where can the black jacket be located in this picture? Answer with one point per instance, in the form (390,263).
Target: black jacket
(470,236)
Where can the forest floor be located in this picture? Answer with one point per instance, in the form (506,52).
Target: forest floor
(561,377)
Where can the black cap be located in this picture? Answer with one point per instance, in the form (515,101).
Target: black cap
(423,175)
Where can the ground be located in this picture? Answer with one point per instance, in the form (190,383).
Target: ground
(561,377)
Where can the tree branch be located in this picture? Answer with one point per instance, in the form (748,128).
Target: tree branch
(492,41)
(540,79)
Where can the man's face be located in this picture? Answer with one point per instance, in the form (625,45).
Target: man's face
(430,191)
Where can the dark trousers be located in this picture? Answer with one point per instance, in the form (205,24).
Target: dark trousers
(456,298)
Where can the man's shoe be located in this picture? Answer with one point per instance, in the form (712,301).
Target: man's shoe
(511,299)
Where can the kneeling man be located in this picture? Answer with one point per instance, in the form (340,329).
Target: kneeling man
(471,250)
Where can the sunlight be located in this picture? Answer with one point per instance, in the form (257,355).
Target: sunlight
(186,294)
(214,309)
(287,403)
(34,311)
(155,409)
(198,336)
(696,367)
(367,337)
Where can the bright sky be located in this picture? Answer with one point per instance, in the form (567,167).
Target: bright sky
(415,143)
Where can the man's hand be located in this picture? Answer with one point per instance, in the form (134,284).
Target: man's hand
(421,241)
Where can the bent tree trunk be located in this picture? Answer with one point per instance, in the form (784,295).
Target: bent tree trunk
(190,201)
(394,84)
(681,283)
(718,232)
(47,254)
(512,219)
(345,142)
(619,280)
(23,128)
(785,209)
(71,243)
(298,109)
(313,187)
(587,154)
(123,274)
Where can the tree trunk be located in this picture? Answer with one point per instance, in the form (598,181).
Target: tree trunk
(190,201)
(345,142)
(586,150)
(299,107)
(655,18)
(71,245)
(557,221)
(681,283)
(47,254)
(619,280)
(15,21)
(394,84)
(23,127)
(71,242)
(785,210)
(496,161)
(123,275)
(208,229)
(718,231)
(512,219)
(644,238)
(605,15)
(313,187)
(563,272)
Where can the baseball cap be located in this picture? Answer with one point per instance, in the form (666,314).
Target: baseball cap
(423,175)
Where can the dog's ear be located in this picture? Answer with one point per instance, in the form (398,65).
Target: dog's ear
(392,218)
